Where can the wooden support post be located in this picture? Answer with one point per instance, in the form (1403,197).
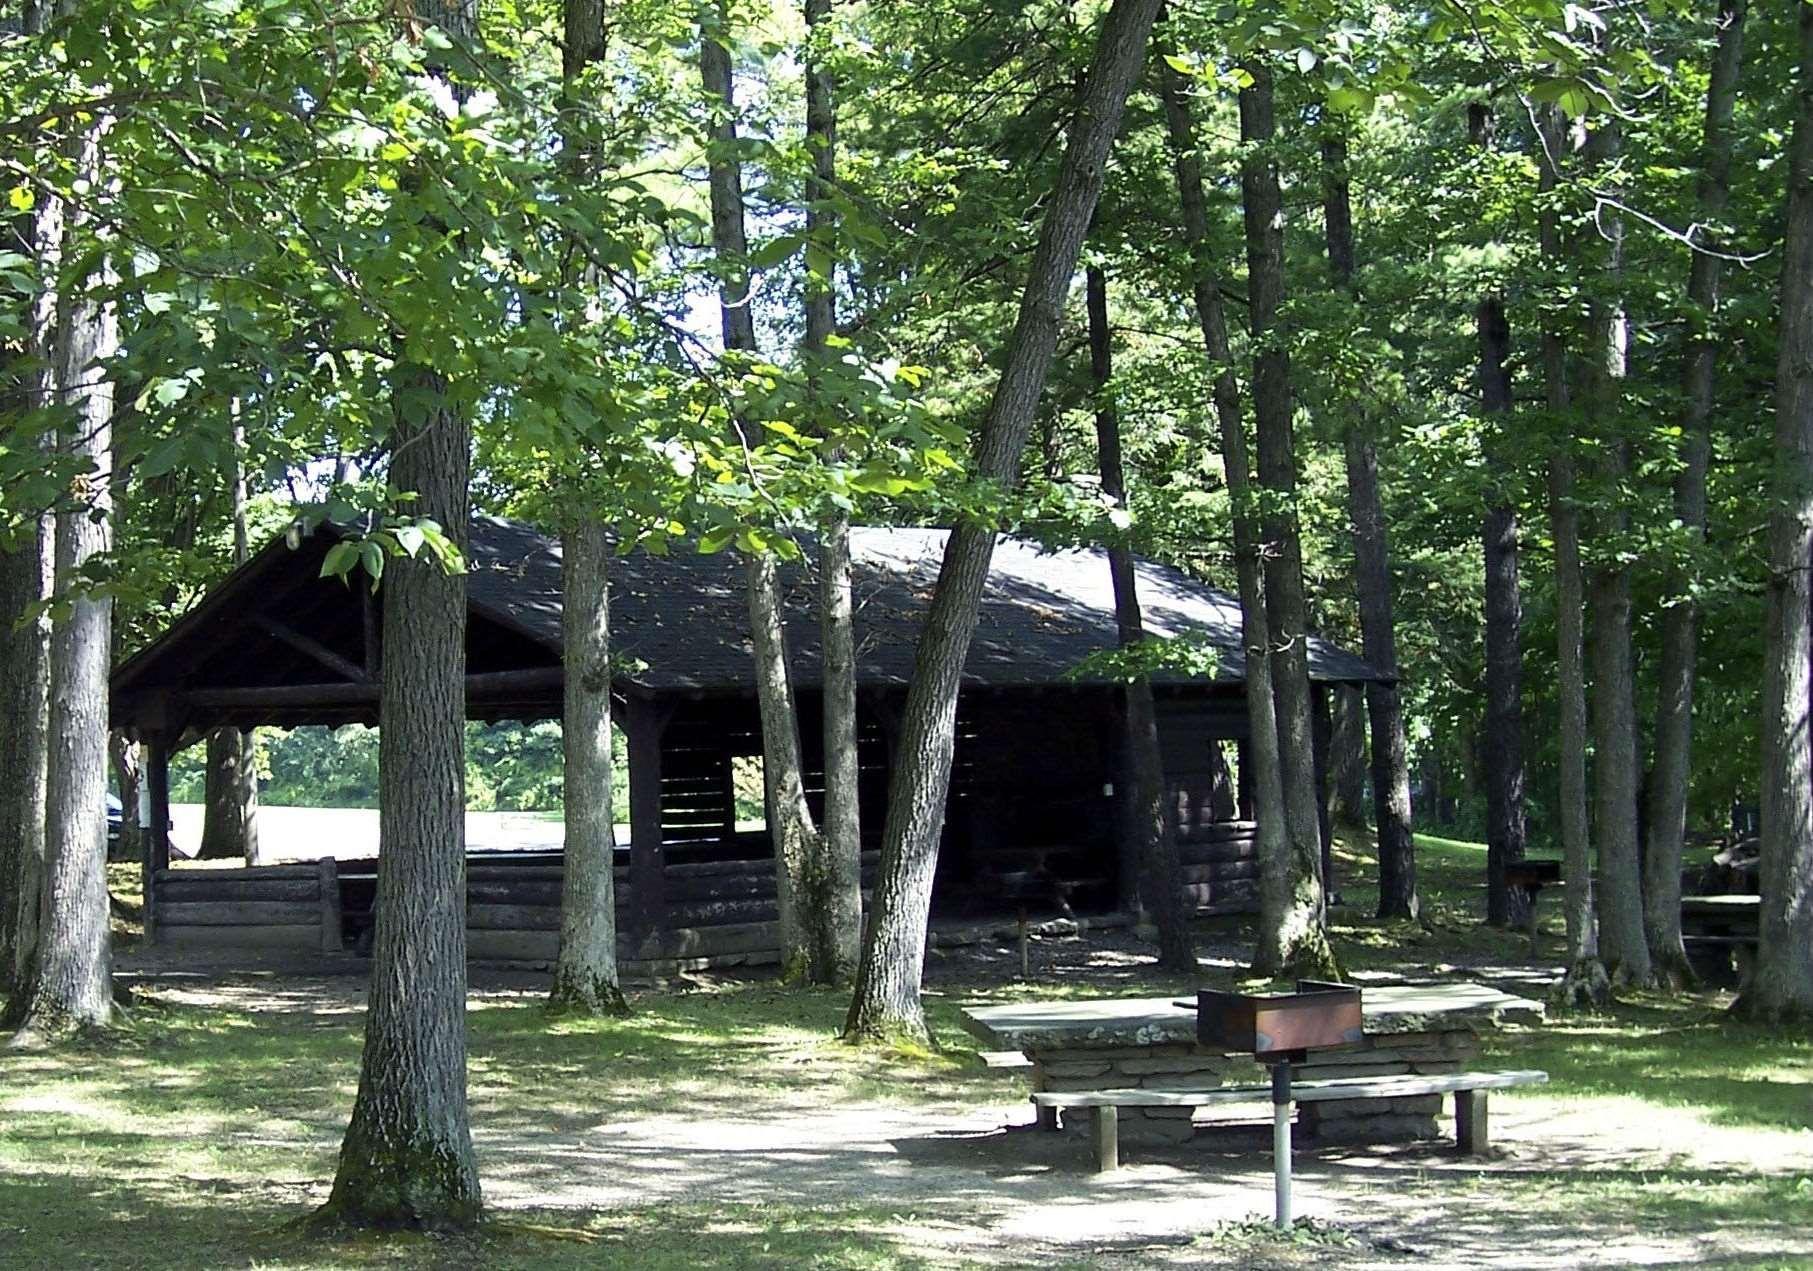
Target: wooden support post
(329,873)
(1105,1123)
(157,833)
(1470,1122)
(1243,780)
(1048,1120)
(644,723)
(1322,737)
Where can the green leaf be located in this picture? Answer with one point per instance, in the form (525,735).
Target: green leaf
(776,250)
(341,560)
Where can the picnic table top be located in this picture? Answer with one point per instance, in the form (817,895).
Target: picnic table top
(1158,1021)
(1719,904)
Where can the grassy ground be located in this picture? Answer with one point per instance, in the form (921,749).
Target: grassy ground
(194,1134)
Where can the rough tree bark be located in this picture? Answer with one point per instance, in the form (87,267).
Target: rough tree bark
(1293,938)
(230,790)
(1502,762)
(1261,753)
(407,1158)
(585,973)
(1347,759)
(886,1001)
(586,979)
(790,823)
(27,566)
(1161,870)
(1780,990)
(69,986)
(1390,765)
(1584,982)
(1680,620)
(835,873)
(1623,949)
(25,579)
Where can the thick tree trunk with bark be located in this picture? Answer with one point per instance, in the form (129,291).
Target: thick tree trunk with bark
(1261,754)
(25,579)
(27,568)
(1584,982)
(1680,621)
(1161,871)
(1502,762)
(1781,983)
(407,1160)
(835,874)
(229,816)
(230,793)
(886,1001)
(1293,939)
(70,981)
(585,974)
(790,823)
(1347,758)
(1390,767)
(1623,948)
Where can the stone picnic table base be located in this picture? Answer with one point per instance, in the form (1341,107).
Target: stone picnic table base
(1150,1043)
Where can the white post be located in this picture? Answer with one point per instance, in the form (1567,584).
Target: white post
(1281,1142)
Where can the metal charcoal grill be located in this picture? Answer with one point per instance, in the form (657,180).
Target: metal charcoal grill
(1279,1029)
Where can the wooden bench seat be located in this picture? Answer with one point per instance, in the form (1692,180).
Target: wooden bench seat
(1469,1090)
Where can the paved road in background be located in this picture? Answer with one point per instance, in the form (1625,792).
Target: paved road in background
(306,834)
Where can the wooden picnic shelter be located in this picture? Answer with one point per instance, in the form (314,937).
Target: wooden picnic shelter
(1037,786)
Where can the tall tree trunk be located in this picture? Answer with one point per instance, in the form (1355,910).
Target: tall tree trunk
(1584,983)
(231,792)
(70,982)
(1347,759)
(1623,948)
(836,873)
(230,812)
(886,1001)
(1506,822)
(1293,940)
(407,1158)
(1680,621)
(1161,871)
(585,974)
(1261,754)
(1781,984)
(1372,585)
(790,823)
(27,568)
(25,580)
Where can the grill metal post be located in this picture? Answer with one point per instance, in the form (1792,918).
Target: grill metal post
(1281,1142)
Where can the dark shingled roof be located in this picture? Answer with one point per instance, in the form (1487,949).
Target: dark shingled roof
(681,621)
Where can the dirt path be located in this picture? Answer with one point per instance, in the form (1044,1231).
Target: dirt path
(974,1184)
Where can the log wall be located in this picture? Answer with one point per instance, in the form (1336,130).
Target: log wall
(269,906)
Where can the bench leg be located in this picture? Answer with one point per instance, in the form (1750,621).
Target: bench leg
(1105,1121)
(1470,1122)
(1048,1119)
